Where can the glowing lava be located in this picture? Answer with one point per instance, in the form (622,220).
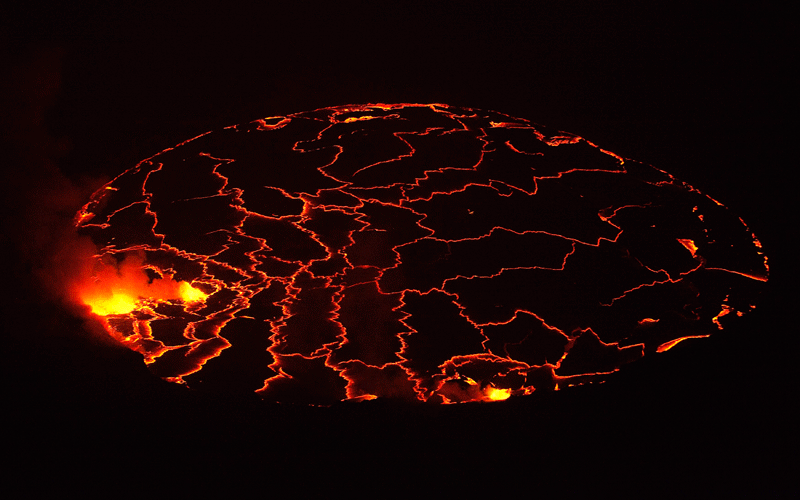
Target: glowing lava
(409,251)
(118,289)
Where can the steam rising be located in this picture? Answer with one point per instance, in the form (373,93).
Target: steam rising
(42,200)
(111,288)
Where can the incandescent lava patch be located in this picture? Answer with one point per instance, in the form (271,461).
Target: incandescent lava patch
(410,251)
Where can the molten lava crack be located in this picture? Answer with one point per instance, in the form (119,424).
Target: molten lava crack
(418,252)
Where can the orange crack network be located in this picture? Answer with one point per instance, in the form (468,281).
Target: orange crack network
(407,251)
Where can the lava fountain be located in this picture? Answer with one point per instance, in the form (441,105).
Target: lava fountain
(411,251)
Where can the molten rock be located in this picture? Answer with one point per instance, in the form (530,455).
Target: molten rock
(421,252)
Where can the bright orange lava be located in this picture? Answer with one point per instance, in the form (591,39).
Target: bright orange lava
(420,252)
(111,290)
(495,394)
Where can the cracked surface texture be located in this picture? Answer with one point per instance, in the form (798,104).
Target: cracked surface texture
(415,251)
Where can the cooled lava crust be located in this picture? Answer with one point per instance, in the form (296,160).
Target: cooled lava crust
(414,251)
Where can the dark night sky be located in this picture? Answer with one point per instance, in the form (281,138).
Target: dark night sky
(694,90)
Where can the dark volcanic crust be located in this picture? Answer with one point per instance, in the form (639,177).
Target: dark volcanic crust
(416,251)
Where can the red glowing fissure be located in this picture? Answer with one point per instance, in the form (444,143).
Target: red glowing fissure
(410,251)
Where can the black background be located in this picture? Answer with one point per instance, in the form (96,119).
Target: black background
(699,90)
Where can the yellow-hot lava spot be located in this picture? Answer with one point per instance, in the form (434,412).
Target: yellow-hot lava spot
(110,288)
(83,216)
(495,394)
(358,118)
(689,245)
(122,302)
(117,303)
(191,294)
(489,393)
